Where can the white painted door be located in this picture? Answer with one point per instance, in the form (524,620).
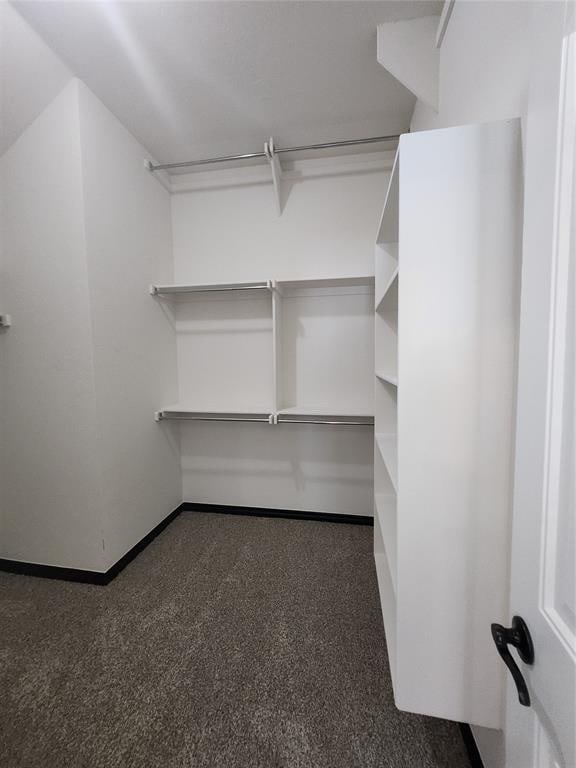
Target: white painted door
(543,537)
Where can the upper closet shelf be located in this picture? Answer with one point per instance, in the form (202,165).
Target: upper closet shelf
(388,229)
(361,281)
(177,288)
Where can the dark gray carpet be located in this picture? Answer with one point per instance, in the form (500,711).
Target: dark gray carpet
(230,642)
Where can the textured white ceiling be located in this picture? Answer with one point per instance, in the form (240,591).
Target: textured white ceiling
(199,79)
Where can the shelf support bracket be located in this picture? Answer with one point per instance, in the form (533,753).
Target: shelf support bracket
(276,169)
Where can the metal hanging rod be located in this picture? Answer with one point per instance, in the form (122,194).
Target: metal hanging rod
(192,416)
(158,290)
(277,151)
(213,418)
(259,417)
(329,423)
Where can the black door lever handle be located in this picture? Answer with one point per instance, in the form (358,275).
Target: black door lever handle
(518,636)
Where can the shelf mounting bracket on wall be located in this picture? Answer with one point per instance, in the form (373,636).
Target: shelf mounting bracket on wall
(276,169)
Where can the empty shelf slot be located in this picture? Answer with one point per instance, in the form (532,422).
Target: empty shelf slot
(386,513)
(156,290)
(388,447)
(387,288)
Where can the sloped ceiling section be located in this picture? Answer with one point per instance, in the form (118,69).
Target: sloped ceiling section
(201,79)
(407,49)
(31,75)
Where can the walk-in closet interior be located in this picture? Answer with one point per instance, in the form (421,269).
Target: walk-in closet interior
(264,259)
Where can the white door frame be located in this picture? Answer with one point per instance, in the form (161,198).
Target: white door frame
(542,573)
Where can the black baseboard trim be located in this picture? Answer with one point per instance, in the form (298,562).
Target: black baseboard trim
(470,744)
(53,572)
(292,514)
(104,578)
(87,577)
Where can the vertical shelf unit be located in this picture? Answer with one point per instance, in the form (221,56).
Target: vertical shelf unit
(447,273)
(277,352)
(224,338)
(325,348)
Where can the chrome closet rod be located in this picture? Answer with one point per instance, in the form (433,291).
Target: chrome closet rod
(211,418)
(161,290)
(329,423)
(277,150)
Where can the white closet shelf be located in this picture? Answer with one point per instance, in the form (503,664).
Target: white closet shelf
(388,447)
(389,378)
(178,288)
(387,288)
(181,412)
(386,512)
(322,410)
(365,281)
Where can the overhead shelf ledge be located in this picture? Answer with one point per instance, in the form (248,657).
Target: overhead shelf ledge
(386,512)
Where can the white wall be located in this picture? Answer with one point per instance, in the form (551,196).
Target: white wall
(484,75)
(128,236)
(31,75)
(323,469)
(51,494)
(85,471)
(484,65)
(229,230)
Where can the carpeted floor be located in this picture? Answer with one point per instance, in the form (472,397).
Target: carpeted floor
(230,642)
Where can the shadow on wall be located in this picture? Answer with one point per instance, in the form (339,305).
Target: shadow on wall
(319,467)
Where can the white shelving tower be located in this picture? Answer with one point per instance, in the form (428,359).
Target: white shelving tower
(278,352)
(447,277)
